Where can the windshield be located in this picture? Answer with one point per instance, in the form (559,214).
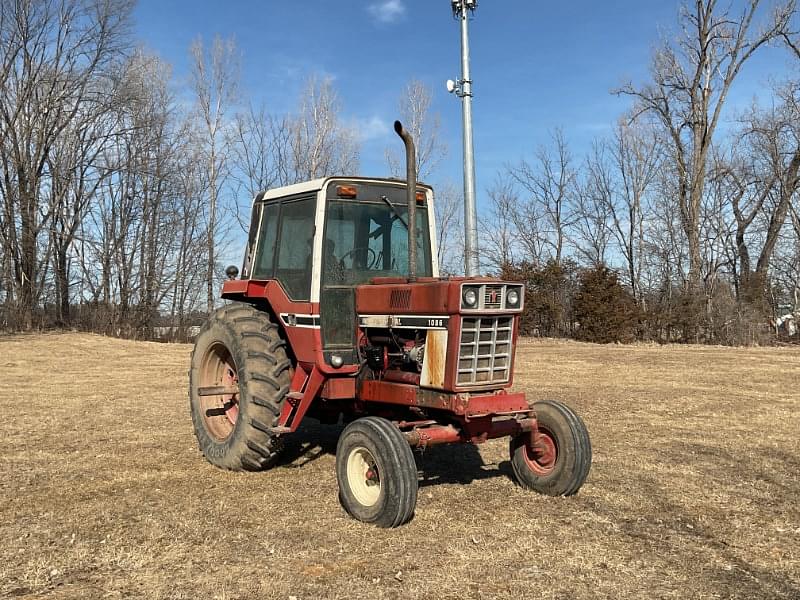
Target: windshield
(370,239)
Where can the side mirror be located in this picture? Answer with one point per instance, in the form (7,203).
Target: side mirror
(232,272)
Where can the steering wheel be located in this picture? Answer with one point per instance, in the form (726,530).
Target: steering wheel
(372,256)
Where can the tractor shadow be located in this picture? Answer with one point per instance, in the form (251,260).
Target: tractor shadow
(445,464)
(311,441)
(457,464)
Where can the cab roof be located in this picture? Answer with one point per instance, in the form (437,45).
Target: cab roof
(317,184)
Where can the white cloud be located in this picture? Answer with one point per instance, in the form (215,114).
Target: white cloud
(371,128)
(387,11)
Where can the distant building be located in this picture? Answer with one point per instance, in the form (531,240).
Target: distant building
(786,325)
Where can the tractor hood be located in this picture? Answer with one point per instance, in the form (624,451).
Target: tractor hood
(435,296)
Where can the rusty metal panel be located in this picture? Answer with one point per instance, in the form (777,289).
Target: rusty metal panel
(501,403)
(234,287)
(339,388)
(403,394)
(420,298)
(391,393)
(435,360)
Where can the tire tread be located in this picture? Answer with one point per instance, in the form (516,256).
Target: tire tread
(399,461)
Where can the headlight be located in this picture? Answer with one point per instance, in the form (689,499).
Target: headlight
(512,298)
(469,298)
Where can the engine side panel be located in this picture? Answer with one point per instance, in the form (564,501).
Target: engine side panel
(435,360)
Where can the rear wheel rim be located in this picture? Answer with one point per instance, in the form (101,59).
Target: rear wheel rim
(221,411)
(542,458)
(363,477)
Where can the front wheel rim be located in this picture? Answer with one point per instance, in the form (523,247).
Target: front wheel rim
(542,458)
(363,477)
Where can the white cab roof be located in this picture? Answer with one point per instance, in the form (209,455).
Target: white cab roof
(317,184)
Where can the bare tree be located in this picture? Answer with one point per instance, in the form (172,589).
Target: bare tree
(190,260)
(636,155)
(11,46)
(76,168)
(319,144)
(792,261)
(499,232)
(716,241)
(665,254)
(257,149)
(276,150)
(75,179)
(590,233)
(54,55)
(449,212)
(691,83)
(140,241)
(415,113)
(759,178)
(549,182)
(215,79)
(778,137)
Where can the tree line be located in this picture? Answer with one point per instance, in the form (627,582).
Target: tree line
(119,185)
(691,202)
(117,194)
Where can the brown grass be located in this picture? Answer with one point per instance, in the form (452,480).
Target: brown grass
(694,491)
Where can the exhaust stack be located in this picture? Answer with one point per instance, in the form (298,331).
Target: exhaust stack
(411,197)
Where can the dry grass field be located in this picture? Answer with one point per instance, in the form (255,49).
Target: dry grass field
(694,491)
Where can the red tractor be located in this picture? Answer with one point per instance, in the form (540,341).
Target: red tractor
(340,313)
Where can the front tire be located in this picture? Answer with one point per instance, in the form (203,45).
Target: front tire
(376,473)
(560,465)
(240,351)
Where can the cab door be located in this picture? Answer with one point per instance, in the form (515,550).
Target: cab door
(340,257)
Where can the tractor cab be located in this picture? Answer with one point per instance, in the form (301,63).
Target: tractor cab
(319,240)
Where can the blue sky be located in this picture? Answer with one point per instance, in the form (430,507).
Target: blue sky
(536,65)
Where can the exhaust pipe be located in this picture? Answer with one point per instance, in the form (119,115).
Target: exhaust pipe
(411,198)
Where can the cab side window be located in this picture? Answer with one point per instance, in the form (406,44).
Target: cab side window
(295,245)
(264,263)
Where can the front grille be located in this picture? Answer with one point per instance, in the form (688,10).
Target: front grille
(485,352)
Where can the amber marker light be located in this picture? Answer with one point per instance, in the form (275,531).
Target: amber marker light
(346,191)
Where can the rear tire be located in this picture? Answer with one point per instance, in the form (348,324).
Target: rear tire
(239,347)
(376,473)
(561,465)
